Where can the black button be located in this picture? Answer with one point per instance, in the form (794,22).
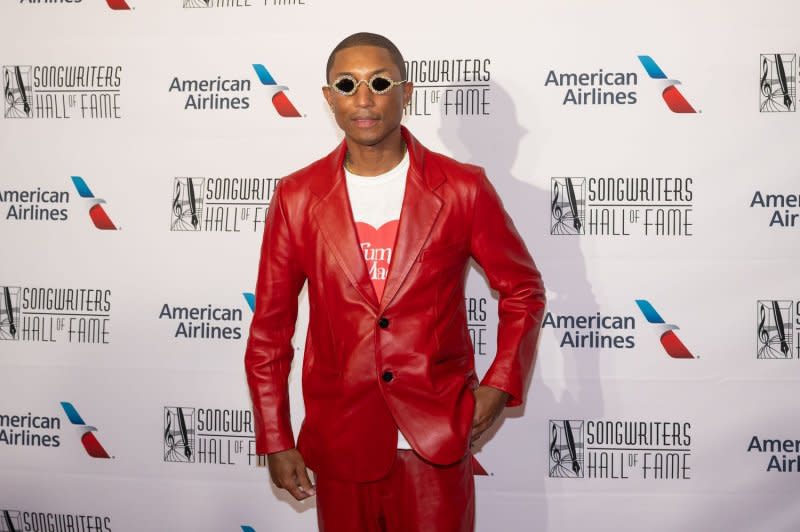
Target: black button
(383,323)
(387,376)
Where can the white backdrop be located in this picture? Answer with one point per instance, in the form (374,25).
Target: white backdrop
(613,437)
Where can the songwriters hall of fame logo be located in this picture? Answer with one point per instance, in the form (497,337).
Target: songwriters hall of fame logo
(778,83)
(566,449)
(62,91)
(221,204)
(619,449)
(622,206)
(776,329)
(217,436)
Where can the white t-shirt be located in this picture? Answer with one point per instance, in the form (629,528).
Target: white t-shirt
(376,203)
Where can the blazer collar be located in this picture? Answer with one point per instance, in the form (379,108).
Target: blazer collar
(334,217)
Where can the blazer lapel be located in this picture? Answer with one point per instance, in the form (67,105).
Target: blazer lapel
(421,207)
(335,221)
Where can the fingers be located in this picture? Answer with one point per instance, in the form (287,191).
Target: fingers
(288,471)
(298,488)
(304,482)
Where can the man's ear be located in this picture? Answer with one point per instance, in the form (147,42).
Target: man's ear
(328,95)
(408,90)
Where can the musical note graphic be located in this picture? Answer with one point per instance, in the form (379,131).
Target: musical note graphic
(17,92)
(177,210)
(766,88)
(567,206)
(8,323)
(178,441)
(763,335)
(555,208)
(555,453)
(775,329)
(7,87)
(187,204)
(566,449)
(778,88)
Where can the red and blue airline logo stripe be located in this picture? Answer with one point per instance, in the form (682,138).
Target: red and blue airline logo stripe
(88,439)
(280,101)
(118,5)
(672,96)
(250,297)
(672,344)
(96,211)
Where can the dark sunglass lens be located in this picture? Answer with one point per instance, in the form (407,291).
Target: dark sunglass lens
(381,84)
(345,85)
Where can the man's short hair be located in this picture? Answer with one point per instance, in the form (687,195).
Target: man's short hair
(368,39)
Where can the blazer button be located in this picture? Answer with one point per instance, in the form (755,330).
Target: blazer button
(383,323)
(387,376)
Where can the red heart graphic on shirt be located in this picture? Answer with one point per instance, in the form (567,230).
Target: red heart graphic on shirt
(377,246)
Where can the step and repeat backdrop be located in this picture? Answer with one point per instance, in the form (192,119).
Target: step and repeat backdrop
(647,152)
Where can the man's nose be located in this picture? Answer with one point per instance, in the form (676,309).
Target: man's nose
(364,96)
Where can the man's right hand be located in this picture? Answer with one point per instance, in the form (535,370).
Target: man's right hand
(288,471)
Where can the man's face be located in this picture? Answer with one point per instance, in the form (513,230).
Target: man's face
(366,118)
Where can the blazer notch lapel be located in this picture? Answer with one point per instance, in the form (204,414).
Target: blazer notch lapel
(420,210)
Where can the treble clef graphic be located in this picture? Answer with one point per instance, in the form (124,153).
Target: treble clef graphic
(763,335)
(776,310)
(555,208)
(766,88)
(787,100)
(7,88)
(555,453)
(168,438)
(21,86)
(176,203)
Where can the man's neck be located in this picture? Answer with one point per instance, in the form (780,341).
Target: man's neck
(369,161)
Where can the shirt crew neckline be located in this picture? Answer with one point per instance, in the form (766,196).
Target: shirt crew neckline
(400,169)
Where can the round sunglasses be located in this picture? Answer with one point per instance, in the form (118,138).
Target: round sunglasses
(347,85)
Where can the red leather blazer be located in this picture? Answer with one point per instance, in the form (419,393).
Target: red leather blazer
(406,361)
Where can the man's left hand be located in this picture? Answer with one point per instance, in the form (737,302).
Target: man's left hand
(489,404)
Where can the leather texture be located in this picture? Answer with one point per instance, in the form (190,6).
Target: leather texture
(414,496)
(406,361)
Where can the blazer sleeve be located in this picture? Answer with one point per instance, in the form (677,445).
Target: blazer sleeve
(269,354)
(498,248)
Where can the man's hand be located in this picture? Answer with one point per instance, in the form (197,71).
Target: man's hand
(288,471)
(489,403)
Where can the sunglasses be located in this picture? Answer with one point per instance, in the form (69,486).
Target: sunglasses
(347,85)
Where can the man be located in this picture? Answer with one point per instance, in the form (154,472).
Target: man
(382,231)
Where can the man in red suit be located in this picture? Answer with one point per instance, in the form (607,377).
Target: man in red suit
(382,231)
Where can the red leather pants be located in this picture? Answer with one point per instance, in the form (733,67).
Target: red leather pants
(415,496)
